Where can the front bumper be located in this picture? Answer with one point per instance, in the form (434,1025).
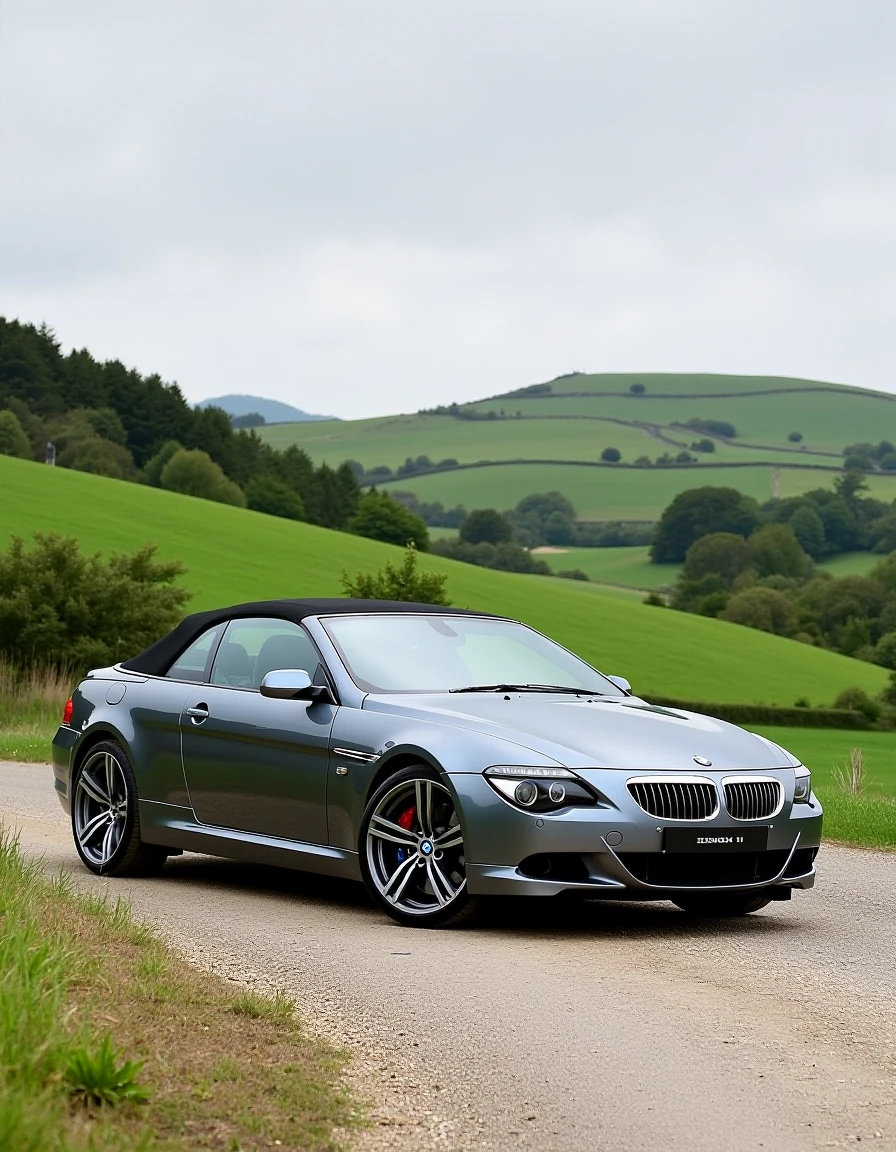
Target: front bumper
(617,851)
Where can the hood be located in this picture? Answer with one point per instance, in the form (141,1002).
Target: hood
(581,732)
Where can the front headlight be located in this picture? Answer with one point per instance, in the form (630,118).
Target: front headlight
(803,787)
(539,789)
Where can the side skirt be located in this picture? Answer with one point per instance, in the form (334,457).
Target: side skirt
(174,827)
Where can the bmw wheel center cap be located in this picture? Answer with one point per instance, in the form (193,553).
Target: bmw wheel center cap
(426,847)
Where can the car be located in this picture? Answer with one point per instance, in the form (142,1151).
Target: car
(439,755)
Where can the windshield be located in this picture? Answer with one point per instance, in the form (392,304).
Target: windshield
(411,653)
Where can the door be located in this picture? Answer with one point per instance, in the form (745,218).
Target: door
(253,763)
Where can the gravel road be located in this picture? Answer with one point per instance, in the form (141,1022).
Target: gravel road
(610,1027)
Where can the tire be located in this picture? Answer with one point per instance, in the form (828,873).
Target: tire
(721,904)
(417,886)
(105,816)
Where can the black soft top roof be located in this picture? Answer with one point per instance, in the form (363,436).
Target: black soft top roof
(158,658)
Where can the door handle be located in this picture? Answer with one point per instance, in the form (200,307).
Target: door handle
(198,714)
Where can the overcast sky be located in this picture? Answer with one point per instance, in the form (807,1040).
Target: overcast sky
(368,207)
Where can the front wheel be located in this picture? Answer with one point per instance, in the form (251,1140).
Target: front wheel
(720,904)
(105,817)
(412,851)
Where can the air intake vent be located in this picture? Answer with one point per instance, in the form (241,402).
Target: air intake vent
(676,798)
(753,799)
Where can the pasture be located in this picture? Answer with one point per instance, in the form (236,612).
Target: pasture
(233,555)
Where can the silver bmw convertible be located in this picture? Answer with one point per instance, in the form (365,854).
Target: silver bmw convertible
(440,756)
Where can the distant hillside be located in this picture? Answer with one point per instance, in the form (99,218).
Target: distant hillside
(274,411)
(789,436)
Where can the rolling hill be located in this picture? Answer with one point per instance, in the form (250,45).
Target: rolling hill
(233,555)
(237,404)
(552,436)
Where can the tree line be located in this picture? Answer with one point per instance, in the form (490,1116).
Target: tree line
(105,418)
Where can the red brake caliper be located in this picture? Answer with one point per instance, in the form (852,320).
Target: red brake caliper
(406,820)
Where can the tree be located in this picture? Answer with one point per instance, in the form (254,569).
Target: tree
(249,420)
(698,512)
(152,473)
(637,389)
(762,608)
(13,440)
(60,607)
(775,551)
(719,554)
(794,437)
(194,473)
(272,496)
(808,527)
(705,445)
(379,517)
(611,455)
(485,525)
(404,583)
(885,651)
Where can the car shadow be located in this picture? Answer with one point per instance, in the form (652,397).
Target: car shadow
(524,917)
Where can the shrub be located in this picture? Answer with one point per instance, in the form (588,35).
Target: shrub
(704,445)
(99,456)
(858,700)
(715,427)
(637,389)
(379,517)
(655,600)
(611,455)
(794,437)
(573,574)
(762,608)
(403,583)
(13,440)
(770,714)
(69,611)
(194,473)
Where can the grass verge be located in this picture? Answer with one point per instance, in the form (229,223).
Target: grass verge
(865,821)
(94,1005)
(30,711)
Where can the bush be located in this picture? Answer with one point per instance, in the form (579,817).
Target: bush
(573,574)
(762,608)
(13,440)
(637,389)
(101,457)
(194,473)
(858,700)
(379,517)
(69,611)
(714,427)
(265,494)
(705,445)
(794,437)
(611,455)
(404,583)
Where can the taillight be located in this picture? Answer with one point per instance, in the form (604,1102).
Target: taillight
(67,711)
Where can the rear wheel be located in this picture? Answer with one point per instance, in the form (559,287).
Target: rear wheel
(105,817)
(412,851)
(719,904)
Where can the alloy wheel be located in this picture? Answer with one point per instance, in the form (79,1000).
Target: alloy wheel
(415,848)
(100,807)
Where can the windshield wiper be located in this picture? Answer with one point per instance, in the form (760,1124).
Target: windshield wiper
(526,688)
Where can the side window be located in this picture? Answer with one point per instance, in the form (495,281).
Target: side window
(253,647)
(193,663)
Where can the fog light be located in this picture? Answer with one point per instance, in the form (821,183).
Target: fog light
(526,793)
(557,793)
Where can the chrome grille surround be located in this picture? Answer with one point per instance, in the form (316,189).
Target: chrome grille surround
(753,797)
(673,797)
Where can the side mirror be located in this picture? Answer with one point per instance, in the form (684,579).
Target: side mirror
(288,684)
(620,682)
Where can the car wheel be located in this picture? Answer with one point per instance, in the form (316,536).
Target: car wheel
(723,904)
(105,819)
(411,850)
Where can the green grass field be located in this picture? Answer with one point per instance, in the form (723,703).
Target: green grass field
(610,493)
(233,555)
(585,414)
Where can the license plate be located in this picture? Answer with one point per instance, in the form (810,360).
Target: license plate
(710,840)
